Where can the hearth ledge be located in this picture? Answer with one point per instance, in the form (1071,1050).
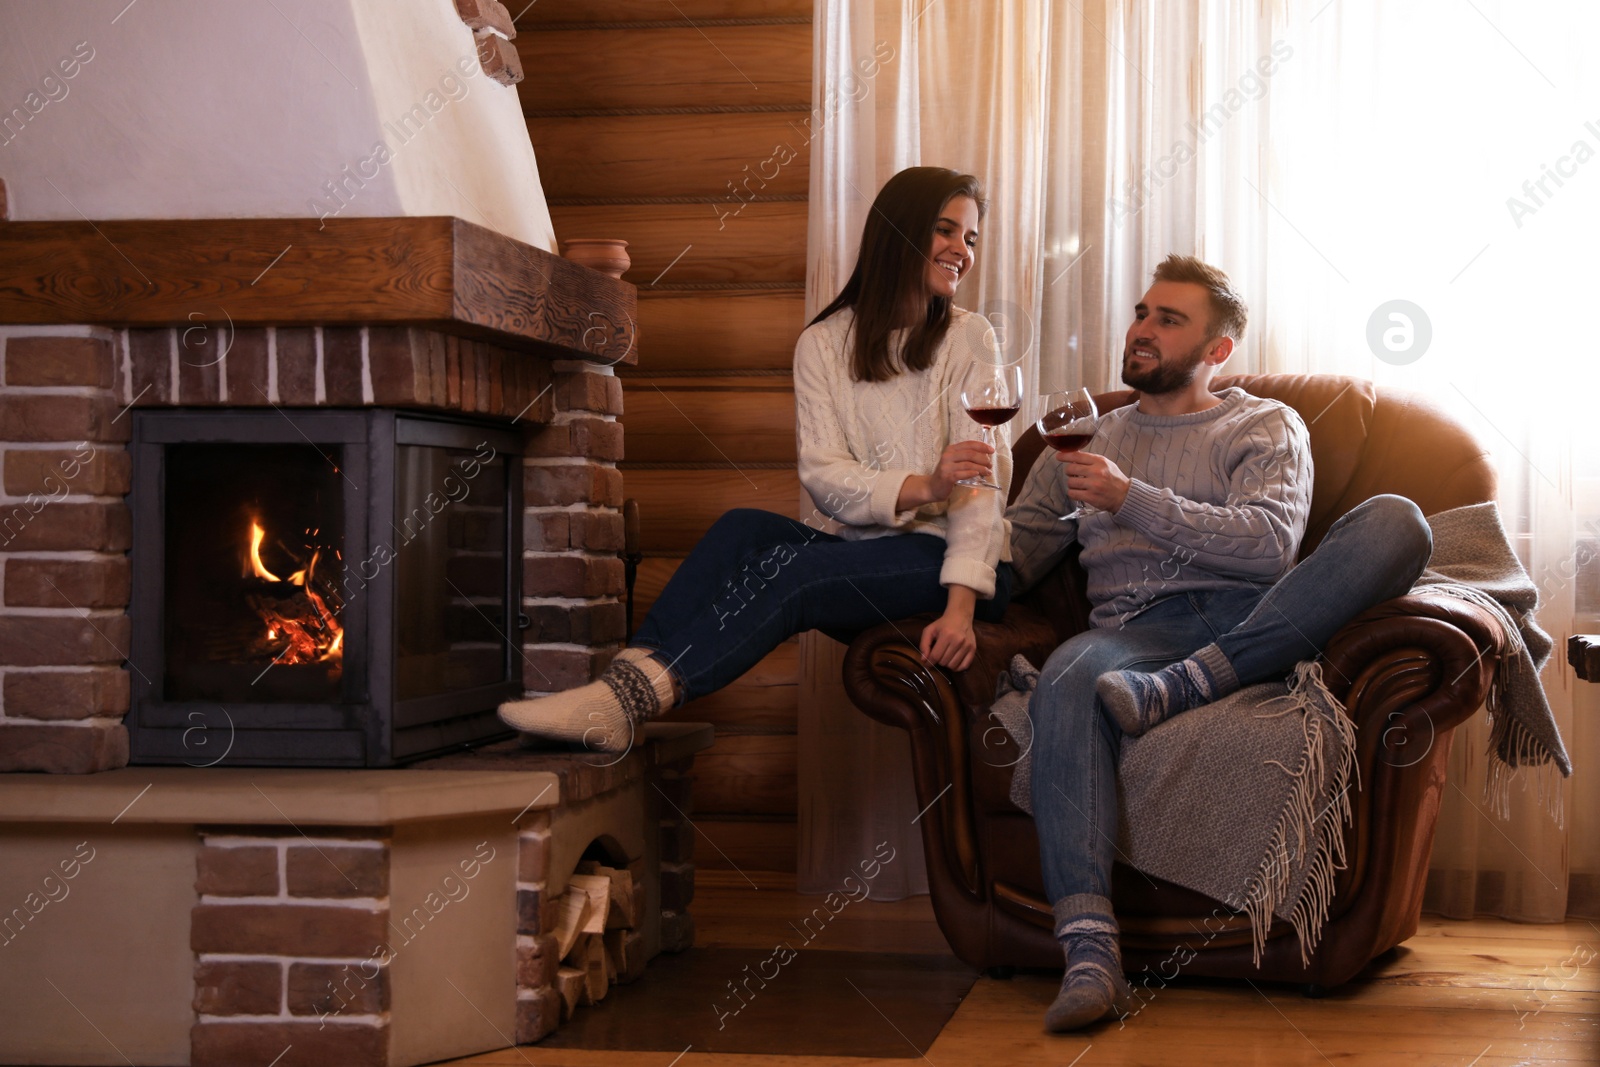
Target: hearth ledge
(271,797)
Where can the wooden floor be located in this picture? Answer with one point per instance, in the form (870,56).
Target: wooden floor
(1468,994)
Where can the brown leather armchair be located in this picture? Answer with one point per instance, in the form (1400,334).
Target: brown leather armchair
(1408,672)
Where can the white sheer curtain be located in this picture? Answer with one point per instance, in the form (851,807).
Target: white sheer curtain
(1332,157)
(1392,143)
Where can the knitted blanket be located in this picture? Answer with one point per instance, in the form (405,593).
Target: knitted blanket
(1473,561)
(1243,800)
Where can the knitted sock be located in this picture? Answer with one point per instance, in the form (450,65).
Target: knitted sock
(603,715)
(1093,986)
(1139,701)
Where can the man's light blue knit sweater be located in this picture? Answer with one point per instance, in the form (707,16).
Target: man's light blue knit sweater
(1219,500)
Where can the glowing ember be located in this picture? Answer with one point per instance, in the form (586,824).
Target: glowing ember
(300,612)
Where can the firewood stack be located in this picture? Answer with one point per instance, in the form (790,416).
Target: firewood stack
(599,937)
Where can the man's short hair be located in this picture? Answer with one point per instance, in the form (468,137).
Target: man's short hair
(1228,313)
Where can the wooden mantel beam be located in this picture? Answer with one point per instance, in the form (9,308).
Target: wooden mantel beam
(438,272)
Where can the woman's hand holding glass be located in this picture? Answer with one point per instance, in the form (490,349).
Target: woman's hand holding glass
(958,463)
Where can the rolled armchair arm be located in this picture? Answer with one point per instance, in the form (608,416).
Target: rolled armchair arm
(1427,657)
(889,681)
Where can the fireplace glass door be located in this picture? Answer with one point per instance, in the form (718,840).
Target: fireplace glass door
(254,548)
(322,588)
(451,566)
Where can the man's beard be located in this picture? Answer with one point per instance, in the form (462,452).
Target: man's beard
(1166,376)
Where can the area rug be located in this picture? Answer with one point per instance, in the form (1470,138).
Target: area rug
(806,1003)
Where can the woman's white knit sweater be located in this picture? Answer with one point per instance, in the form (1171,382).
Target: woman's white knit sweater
(859,441)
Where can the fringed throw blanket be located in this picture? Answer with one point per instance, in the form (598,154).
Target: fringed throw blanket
(1243,800)
(1473,561)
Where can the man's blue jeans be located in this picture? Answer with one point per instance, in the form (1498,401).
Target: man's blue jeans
(757,579)
(1374,553)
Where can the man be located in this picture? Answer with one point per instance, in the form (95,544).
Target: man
(1199,503)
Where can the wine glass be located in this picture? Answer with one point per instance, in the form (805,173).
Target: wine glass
(992,395)
(1069,422)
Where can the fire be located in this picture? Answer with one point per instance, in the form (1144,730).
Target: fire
(257,534)
(302,626)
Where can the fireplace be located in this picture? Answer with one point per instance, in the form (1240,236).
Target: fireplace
(281,417)
(321,588)
(321,402)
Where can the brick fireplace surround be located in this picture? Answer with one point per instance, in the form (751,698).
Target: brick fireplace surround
(64,522)
(218,908)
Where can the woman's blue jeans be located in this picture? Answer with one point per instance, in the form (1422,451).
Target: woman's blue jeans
(1373,553)
(757,579)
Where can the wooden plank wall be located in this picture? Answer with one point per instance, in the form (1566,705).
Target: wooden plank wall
(680,127)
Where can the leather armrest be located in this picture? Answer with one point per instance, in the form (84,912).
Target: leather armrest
(1464,615)
(887,679)
(879,662)
(1462,642)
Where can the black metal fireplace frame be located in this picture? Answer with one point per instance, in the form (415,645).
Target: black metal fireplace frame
(368,727)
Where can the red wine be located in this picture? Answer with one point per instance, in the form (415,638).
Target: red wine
(994,416)
(1067,442)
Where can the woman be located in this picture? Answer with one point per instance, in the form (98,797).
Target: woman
(882,440)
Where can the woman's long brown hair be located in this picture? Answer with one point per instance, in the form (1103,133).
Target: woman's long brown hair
(891,271)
